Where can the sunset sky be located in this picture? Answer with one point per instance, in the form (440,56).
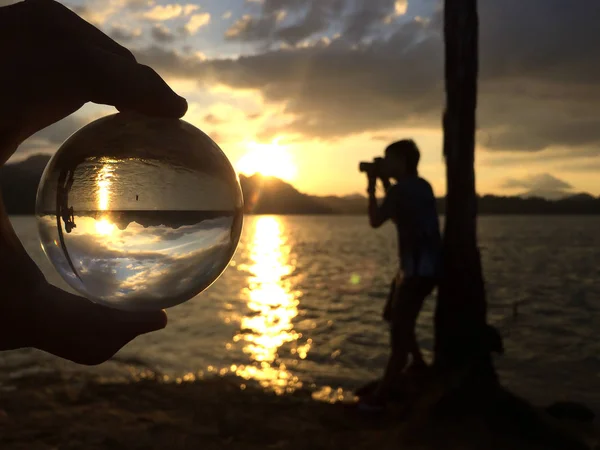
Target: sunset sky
(305,89)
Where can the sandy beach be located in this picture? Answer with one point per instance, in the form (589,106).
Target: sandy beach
(79,412)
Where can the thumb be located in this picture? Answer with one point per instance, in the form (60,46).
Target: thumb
(136,323)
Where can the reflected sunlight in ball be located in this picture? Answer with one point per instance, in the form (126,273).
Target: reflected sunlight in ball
(139,213)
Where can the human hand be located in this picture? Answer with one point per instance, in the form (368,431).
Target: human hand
(56,63)
(371,183)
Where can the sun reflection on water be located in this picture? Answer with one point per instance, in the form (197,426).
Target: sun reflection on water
(103,182)
(273,304)
(104,227)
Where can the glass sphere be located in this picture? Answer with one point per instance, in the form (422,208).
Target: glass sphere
(139,213)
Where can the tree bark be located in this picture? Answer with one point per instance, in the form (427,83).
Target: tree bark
(462,335)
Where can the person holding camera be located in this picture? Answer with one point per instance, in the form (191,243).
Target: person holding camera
(410,203)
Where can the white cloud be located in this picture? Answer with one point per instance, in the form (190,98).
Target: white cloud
(226,15)
(169,12)
(400,7)
(196,22)
(189,9)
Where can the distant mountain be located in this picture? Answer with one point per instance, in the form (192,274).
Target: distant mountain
(548,194)
(581,197)
(352,204)
(19,183)
(266,195)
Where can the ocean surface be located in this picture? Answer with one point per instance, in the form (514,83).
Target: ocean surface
(300,305)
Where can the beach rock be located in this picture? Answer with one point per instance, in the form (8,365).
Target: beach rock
(571,411)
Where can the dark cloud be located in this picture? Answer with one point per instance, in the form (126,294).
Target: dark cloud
(61,130)
(317,18)
(123,34)
(49,139)
(249,28)
(162,34)
(331,90)
(369,14)
(539,80)
(309,17)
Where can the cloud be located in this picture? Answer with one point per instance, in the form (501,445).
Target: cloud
(97,12)
(314,17)
(540,185)
(162,34)
(544,181)
(170,11)
(331,91)
(61,130)
(212,119)
(144,264)
(124,34)
(369,14)
(226,15)
(196,22)
(249,28)
(50,138)
(539,77)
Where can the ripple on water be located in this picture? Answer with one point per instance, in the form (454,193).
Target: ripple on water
(301,302)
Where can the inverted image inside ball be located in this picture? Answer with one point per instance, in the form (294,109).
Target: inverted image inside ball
(139,213)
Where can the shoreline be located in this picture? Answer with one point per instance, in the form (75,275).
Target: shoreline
(79,411)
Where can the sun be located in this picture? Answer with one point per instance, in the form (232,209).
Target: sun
(104,227)
(272,160)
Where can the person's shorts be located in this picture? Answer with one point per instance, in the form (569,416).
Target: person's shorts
(409,294)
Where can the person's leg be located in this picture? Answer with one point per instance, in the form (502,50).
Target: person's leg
(423,288)
(405,309)
(387,309)
(417,360)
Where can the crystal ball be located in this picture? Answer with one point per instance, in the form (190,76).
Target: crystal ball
(139,213)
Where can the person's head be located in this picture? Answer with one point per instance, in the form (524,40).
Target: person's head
(402,158)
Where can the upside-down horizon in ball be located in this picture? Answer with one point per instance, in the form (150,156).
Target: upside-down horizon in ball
(139,213)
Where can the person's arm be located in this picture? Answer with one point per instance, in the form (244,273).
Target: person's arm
(386,183)
(377,214)
(79,64)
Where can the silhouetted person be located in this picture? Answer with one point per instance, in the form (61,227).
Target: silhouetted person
(58,62)
(65,212)
(410,203)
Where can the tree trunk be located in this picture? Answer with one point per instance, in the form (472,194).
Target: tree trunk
(462,335)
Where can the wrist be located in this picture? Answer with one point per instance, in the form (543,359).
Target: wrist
(9,140)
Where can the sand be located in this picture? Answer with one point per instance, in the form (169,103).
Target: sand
(80,412)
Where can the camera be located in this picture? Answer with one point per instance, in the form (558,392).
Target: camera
(372,168)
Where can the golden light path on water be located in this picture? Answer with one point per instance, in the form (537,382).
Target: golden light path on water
(103,183)
(274,305)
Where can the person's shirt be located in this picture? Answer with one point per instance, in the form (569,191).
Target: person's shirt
(411,204)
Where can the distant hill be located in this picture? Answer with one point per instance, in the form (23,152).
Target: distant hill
(266,195)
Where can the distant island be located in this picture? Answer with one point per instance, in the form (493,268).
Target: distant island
(267,195)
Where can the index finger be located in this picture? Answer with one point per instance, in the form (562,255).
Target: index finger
(52,21)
